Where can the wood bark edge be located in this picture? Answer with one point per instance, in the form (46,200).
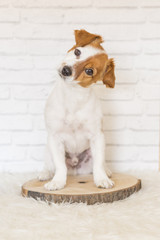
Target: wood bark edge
(89,199)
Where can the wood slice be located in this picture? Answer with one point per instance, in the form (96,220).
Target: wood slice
(81,188)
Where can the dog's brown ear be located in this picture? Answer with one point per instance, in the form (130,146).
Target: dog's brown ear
(84,38)
(109,75)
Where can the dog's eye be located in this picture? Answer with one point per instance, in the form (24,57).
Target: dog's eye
(89,71)
(77,52)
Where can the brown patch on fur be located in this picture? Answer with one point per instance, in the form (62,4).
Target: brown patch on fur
(109,76)
(103,70)
(97,63)
(83,38)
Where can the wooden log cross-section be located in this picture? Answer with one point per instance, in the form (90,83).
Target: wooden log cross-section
(81,188)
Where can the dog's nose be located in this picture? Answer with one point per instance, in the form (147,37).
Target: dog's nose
(66,71)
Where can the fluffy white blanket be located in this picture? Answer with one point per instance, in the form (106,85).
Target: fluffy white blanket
(135,218)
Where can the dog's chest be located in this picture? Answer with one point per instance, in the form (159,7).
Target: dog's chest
(70,108)
(75,121)
(76,127)
(72,114)
(79,110)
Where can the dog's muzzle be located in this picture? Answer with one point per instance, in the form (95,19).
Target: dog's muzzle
(66,71)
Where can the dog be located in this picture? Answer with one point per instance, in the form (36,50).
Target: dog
(73,116)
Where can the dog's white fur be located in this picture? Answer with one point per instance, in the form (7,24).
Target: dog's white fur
(74,123)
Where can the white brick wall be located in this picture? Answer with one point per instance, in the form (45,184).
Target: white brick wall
(34,36)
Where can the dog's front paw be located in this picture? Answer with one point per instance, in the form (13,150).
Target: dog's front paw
(54,185)
(104,183)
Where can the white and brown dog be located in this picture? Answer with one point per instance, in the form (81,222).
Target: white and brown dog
(73,116)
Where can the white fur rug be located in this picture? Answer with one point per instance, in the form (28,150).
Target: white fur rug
(137,217)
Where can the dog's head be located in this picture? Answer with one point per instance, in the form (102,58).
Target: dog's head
(87,62)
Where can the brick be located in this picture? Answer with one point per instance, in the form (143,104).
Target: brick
(150,31)
(114,3)
(28,30)
(152,15)
(73,3)
(120,92)
(117,31)
(123,62)
(42,15)
(125,47)
(148,154)
(134,165)
(147,62)
(5,138)
(36,153)
(47,62)
(120,153)
(6,30)
(13,107)
(43,31)
(48,47)
(21,166)
(150,91)
(152,108)
(124,137)
(113,123)
(122,107)
(131,153)
(31,92)
(149,76)
(104,16)
(126,76)
(9,15)
(4,3)
(150,3)
(26,77)
(11,47)
(51,3)
(143,123)
(36,107)
(39,122)
(151,46)
(4,92)
(12,153)
(30,138)
(16,62)
(146,138)
(15,123)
